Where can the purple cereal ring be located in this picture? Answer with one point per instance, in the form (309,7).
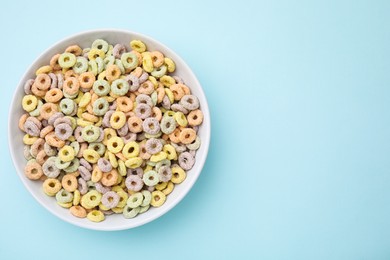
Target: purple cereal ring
(27,86)
(112,106)
(179,148)
(166,103)
(196,128)
(179,108)
(110,199)
(137,171)
(101,188)
(60,80)
(143,111)
(133,82)
(104,165)
(44,123)
(35,121)
(63,131)
(118,50)
(77,134)
(165,173)
(62,120)
(151,126)
(150,188)
(129,137)
(31,128)
(53,78)
(144,77)
(144,99)
(134,183)
(106,118)
(178,80)
(82,187)
(186,160)
(101,136)
(84,173)
(37,147)
(192,152)
(189,102)
(123,130)
(86,164)
(153,146)
(54,117)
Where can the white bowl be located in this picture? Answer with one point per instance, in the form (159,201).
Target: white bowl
(117,221)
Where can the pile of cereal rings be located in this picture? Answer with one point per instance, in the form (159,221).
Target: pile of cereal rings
(108,130)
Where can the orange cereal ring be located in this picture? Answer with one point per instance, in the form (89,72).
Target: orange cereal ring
(109,178)
(160,94)
(33,171)
(69,182)
(46,130)
(70,73)
(124,104)
(156,113)
(42,81)
(37,92)
(177,91)
(74,49)
(36,147)
(54,62)
(41,157)
(139,56)
(165,137)
(186,89)
(78,211)
(53,95)
(22,120)
(187,135)
(86,80)
(135,124)
(195,117)
(71,86)
(146,88)
(112,72)
(137,72)
(89,117)
(53,140)
(157,58)
(48,109)
(174,136)
(83,147)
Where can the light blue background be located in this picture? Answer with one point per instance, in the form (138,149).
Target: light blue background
(298,166)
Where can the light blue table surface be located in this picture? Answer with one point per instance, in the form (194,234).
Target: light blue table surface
(298,166)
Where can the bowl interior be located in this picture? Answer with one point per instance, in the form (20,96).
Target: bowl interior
(113,222)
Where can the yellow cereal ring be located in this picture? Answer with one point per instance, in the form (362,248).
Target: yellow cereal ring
(80,95)
(117,210)
(108,134)
(115,144)
(29,140)
(91,199)
(122,198)
(102,207)
(66,205)
(148,168)
(112,159)
(130,150)
(133,162)
(154,81)
(91,155)
(118,120)
(122,168)
(158,157)
(96,216)
(161,186)
(66,153)
(99,122)
(158,198)
(83,122)
(51,186)
(97,174)
(147,62)
(94,53)
(44,70)
(170,95)
(167,81)
(169,188)
(29,102)
(76,197)
(170,151)
(138,45)
(85,100)
(170,64)
(180,119)
(178,175)
(117,188)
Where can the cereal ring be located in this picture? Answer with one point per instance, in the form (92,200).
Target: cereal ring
(66,153)
(170,64)
(169,188)
(54,62)
(177,91)
(29,103)
(81,65)
(69,182)
(194,145)
(83,188)
(97,174)
(179,108)
(138,45)
(110,199)
(120,87)
(100,106)
(124,104)
(130,150)
(42,82)
(153,146)
(31,128)
(187,135)
(67,106)
(168,125)
(134,183)
(144,77)
(73,166)
(133,82)
(115,144)
(94,54)
(170,151)
(53,95)
(130,212)
(189,102)
(54,117)
(36,147)
(135,200)
(165,173)
(144,99)
(158,198)
(33,171)
(84,173)
(143,111)
(146,88)
(90,133)
(64,196)
(86,80)
(100,45)
(134,162)
(71,86)
(54,81)
(159,72)
(62,120)
(129,60)
(158,157)
(151,178)
(101,87)
(112,72)
(180,119)
(157,58)
(96,216)
(63,131)
(78,211)
(110,178)
(123,130)
(27,86)
(104,165)
(66,60)
(91,199)
(186,161)
(151,126)
(91,155)
(118,50)
(51,186)
(195,117)
(85,164)
(117,120)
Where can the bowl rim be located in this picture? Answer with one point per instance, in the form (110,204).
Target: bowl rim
(200,161)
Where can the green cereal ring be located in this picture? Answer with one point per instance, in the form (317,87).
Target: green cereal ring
(64,196)
(60,164)
(119,63)
(100,45)
(36,112)
(153,96)
(147,198)
(135,200)
(168,125)
(81,65)
(100,106)
(122,168)
(130,212)
(195,145)
(73,122)
(66,60)
(73,166)
(92,67)
(153,136)
(120,87)
(67,106)
(101,87)
(76,146)
(90,133)
(164,162)
(144,209)
(98,147)
(109,60)
(100,64)
(129,60)
(159,72)
(151,163)
(73,96)
(91,199)
(151,178)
